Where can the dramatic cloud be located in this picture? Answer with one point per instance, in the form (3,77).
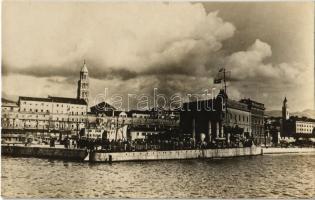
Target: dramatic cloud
(135,47)
(34,86)
(262,79)
(251,64)
(117,39)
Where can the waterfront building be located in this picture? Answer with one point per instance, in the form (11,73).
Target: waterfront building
(237,115)
(272,129)
(256,119)
(102,108)
(45,115)
(217,118)
(304,126)
(297,127)
(94,133)
(52,105)
(10,120)
(42,117)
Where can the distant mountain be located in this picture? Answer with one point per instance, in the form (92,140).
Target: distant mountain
(306,113)
(273,113)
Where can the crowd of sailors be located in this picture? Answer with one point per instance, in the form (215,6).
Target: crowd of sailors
(141,145)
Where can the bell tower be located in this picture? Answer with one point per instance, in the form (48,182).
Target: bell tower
(285,110)
(83,84)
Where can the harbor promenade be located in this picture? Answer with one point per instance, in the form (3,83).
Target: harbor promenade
(278,150)
(59,152)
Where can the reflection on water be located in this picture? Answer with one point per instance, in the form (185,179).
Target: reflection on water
(259,176)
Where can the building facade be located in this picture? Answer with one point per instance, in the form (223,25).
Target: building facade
(304,127)
(257,112)
(218,118)
(293,126)
(43,117)
(102,108)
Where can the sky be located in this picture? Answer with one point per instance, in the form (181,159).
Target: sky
(178,48)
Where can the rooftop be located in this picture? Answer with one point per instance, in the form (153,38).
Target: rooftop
(252,103)
(217,102)
(5,102)
(102,107)
(34,99)
(68,100)
(302,119)
(55,99)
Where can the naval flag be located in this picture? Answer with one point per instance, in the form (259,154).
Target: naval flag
(219,78)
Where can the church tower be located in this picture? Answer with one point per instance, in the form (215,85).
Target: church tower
(83,84)
(285,110)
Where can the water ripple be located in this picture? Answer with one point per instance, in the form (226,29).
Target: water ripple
(245,177)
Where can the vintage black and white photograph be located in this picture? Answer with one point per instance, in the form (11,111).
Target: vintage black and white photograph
(157,99)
